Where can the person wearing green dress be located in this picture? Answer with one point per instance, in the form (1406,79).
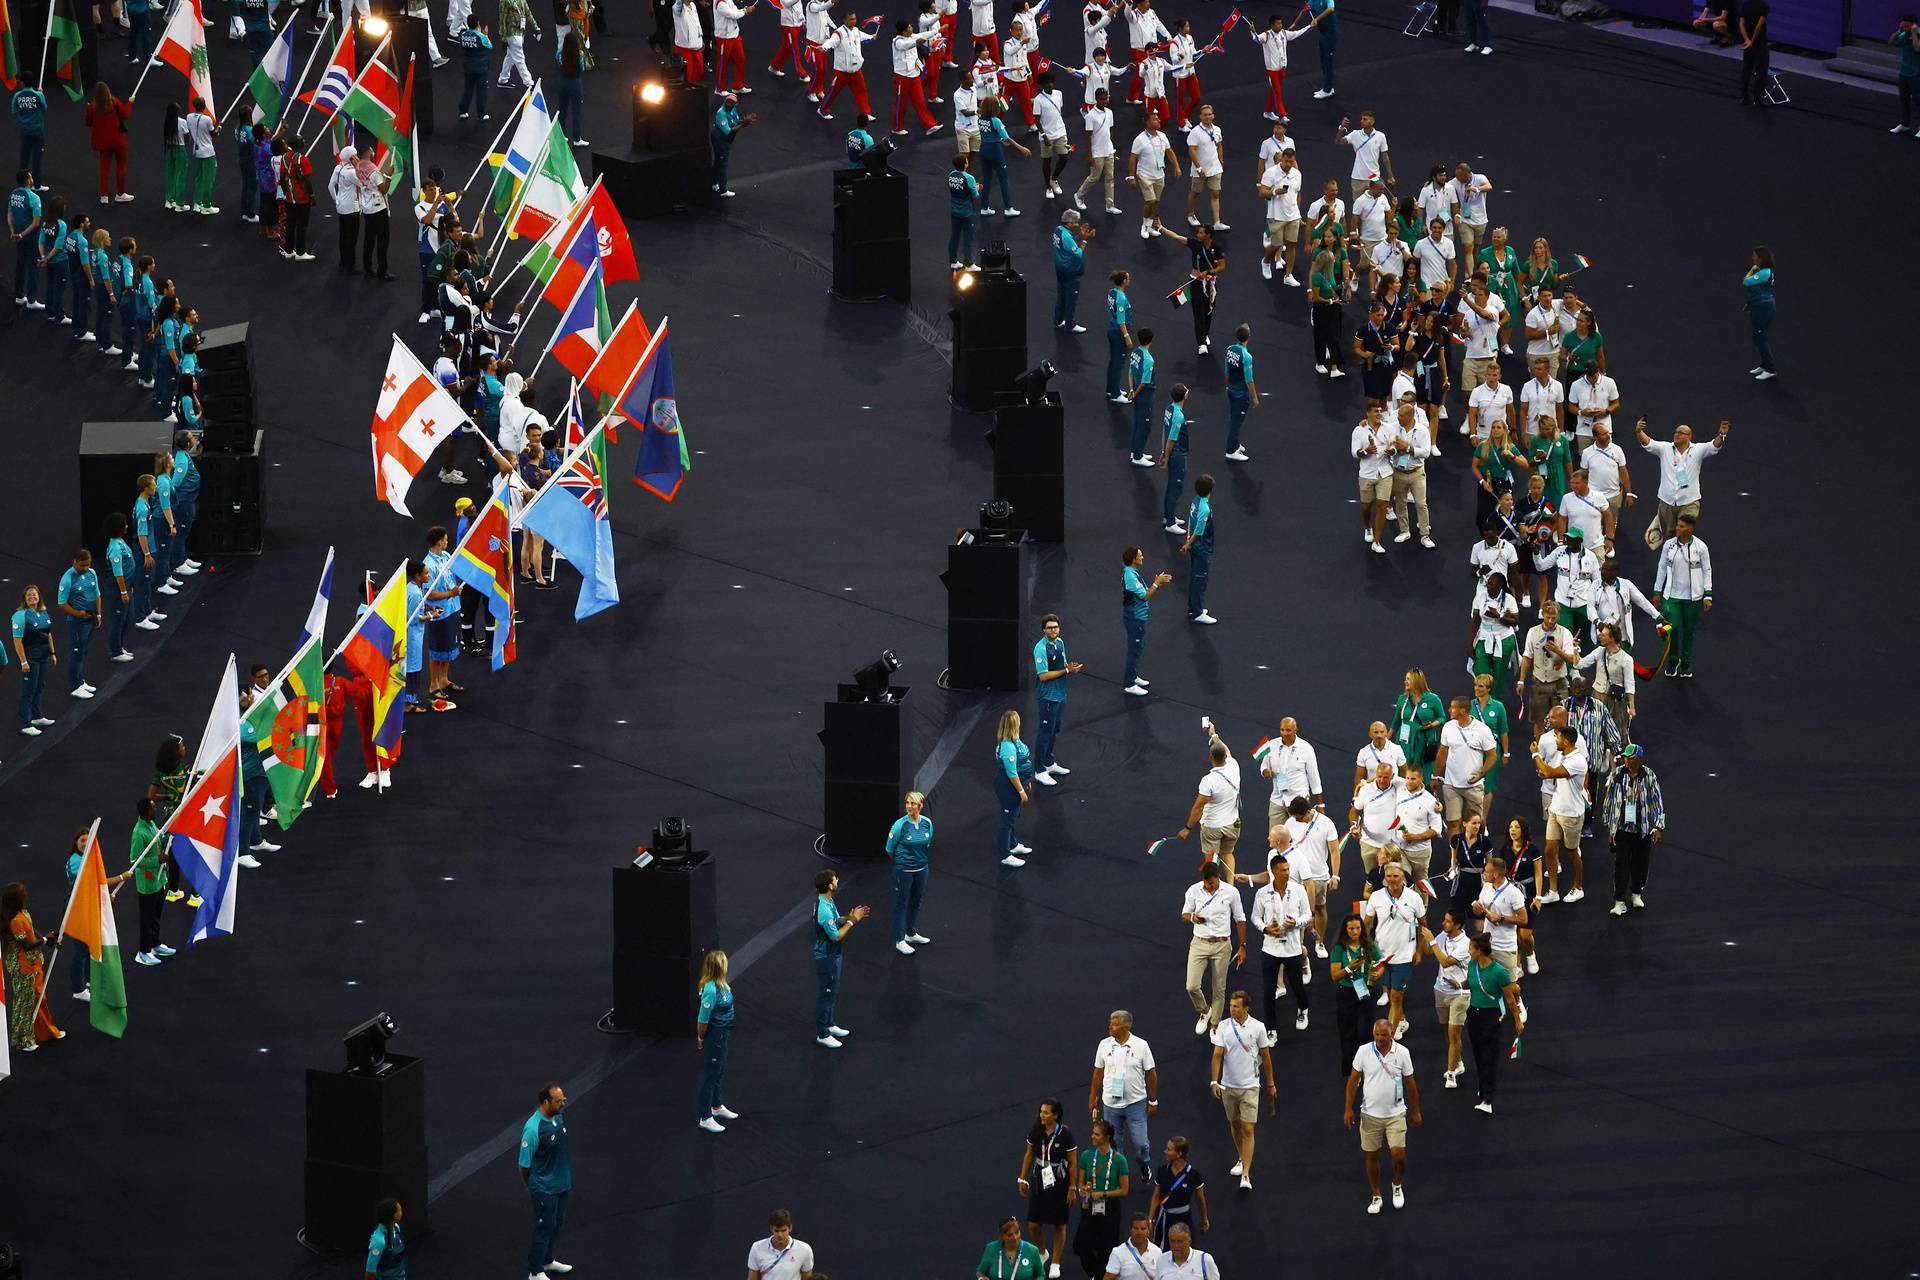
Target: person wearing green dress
(1502,267)
(1551,453)
(1417,716)
(1494,465)
(1492,712)
(1100,1177)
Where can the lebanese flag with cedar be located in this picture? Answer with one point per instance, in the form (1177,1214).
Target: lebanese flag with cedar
(412,416)
(183,46)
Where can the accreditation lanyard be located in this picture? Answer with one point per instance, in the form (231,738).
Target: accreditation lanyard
(1386,1067)
(1166,1197)
(1201,912)
(1046,1148)
(1145,1272)
(999,1265)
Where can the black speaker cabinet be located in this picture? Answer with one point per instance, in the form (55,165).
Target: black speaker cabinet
(366,1139)
(232,518)
(1029,463)
(680,121)
(984,631)
(113,456)
(664,922)
(872,247)
(224,349)
(989,337)
(647,185)
(865,770)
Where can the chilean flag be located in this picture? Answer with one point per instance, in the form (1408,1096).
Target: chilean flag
(206,826)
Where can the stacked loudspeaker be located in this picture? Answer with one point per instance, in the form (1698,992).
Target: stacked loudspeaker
(984,624)
(664,922)
(872,254)
(232,518)
(366,1140)
(989,333)
(865,763)
(1029,463)
(113,457)
(670,165)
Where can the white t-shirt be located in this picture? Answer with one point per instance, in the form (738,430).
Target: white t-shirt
(1311,853)
(1448,983)
(1680,469)
(1603,469)
(1483,334)
(1417,812)
(1471,196)
(1046,108)
(1243,1041)
(1596,393)
(1270,906)
(1586,513)
(1434,203)
(1128,1263)
(1151,148)
(1396,923)
(1486,404)
(1367,150)
(780,1264)
(1371,212)
(1504,901)
(1547,665)
(1270,147)
(1433,257)
(1213,913)
(1221,787)
(200,130)
(966,110)
(1382,1096)
(1205,141)
(1378,808)
(1467,747)
(1498,558)
(1538,401)
(1198,1266)
(1099,122)
(1569,797)
(1284,204)
(1370,758)
(1389,257)
(1124,1068)
(1551,323)
(1494,626)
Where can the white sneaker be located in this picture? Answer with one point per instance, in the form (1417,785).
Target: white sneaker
(724,1112)
(1300,1023)
(837,1030)
(1221,226)
(1053,1271)
(1175,527)
(1289,281)
(1320,950)
(248,860)
(263,846)
(1452,1079)
(1012,213)
(1366,535)
(1079,328)
(1619,909)
(1266,268)
(1273,1038)
(386,778)
(1011,861)
(1045,779)
(1483,1105)
(1379,549)
(84,996)
(1057,768)
(1143,461)
(122,656)
(1405,535)
(1142,681)
(1426,542)
(1146,231)
(903,948)
(1899,128)
(1138,691)
(1328,93)
(1765,375)
(1306,975)
(1114,209)
(554,1268)
(1400,1032)
(1400,1194)
(1192,221)
(82,693)
(917,939)
(147,958)
(1533,963)
(1239,454)
(145,624)
(43,721)
(1336,372)
(1021,848)
(1200,1025)
(30,731)
(1246,1182)
(827,1042)
(184,571)
(1204,619)
(367,783)
(1373,1205)
(84,337)
(1574,895)
(1393,517)
(1637,900)
(453,477)
(167,589)
(1237,1170)
(1078,203)
(1550,897)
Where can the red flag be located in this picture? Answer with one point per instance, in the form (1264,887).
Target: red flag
(624,349)
(616,251)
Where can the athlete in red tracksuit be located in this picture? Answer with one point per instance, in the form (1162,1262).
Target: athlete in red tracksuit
(340,691)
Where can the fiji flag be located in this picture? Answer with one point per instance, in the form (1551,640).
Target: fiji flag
(206,826)
(651,405)
(571,513)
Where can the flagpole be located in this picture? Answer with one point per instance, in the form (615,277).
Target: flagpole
(46,48)
(73,896)
(371,60)
(318,42)
(511,117)
(520,196)
(591,277)
(245,88)
(167,826)
(152,61)
(572,214)
(598,427)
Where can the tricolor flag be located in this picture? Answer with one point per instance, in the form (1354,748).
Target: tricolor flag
(515,164)
(272,81)
(89,922)
(10,77)
(664,460)
(377,650)
(576,250)
(183,46)
(412,416)
(399,157)
(570,511)
(617,262)
(1580,262)
(1181,295)
(1265,748)
(576,343)
(551,191)
(206,826)
(484,561)
(374,102)
(63,36)
(620,357)
(327,96)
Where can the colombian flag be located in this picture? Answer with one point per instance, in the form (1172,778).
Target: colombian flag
(377,650)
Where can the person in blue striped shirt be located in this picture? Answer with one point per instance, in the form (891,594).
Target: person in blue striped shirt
(1198,548)
(908,844)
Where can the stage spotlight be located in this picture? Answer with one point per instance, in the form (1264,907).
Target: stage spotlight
(964,281)
(996,258)
(871,680)
(653,93)
(1032,385)
(996,520)
(672,840)
(366,1046)
(375,27)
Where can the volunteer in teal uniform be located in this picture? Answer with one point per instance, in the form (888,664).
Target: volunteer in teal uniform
(145,562)
(29,107)
(1417,716)
(78,600)
(1199,551)
(23,222)
(386,1251)
(124,570)
(1242,393)
(830,930)
(53,259)
(1173,456)
(1013,770)
(1069,266)
(1140,389)
(1135,592)
(33,645)
(547,1170)
(186,487)
(165,526)
(1327,23)
(908,844)
(1119,336)
(1050,671)
(714,1038)
(103,296)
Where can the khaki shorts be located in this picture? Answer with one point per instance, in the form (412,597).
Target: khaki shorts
(1451,1010)
(1565,830)
(1508,960)
(1375,1132)
(1206,182)
(1461,801)
(1242,1105)
(969,143)
(1219,841)
(1054,146)
(1150,188)
(1283,231)
(1376,489)
(1370,855)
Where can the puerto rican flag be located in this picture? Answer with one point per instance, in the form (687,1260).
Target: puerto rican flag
(327,96)
(206,826)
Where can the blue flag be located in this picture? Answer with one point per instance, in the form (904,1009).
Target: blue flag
(571,513)
(651,405)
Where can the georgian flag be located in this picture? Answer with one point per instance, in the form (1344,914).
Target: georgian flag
(412,416)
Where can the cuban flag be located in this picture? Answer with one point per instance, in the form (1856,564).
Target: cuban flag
(206,826)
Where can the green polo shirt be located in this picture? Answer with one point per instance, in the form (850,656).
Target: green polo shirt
(996,1265)
(1485,985)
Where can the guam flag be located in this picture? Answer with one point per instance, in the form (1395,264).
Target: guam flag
(651,405)
(484,561)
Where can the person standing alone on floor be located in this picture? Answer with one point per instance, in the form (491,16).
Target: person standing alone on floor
(547,1169)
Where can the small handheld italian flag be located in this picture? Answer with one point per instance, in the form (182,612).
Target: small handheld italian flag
(1580,262)
(1265,748)
(1153,850)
